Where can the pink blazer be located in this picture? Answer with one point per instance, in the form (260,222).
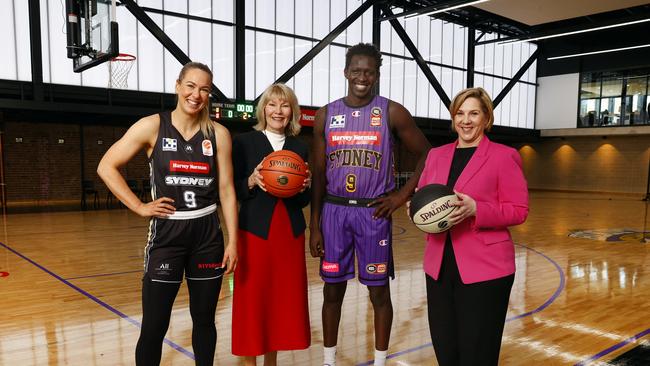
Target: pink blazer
(482,244)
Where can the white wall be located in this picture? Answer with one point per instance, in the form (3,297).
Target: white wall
(557,101)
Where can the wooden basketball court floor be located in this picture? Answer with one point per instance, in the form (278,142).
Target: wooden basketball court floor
(70,291)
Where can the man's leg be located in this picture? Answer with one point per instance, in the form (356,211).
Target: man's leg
(333,294)
(383,307)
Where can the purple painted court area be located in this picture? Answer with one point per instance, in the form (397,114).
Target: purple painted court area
(98,301)
(528,313)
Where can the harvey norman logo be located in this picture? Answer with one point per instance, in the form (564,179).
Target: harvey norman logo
(354,138)
(189,167)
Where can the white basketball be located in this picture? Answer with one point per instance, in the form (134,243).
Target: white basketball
(431,206)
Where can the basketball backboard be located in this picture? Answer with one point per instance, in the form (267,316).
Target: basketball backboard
(92,32)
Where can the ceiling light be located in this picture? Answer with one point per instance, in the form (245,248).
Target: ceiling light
(597,52)
(577,32)
(437,11)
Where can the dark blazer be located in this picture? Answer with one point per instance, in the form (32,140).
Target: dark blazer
(248,150)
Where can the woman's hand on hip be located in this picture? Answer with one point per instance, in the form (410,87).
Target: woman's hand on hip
(162,208)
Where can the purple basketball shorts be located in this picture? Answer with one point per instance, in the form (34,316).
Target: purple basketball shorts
(348,230)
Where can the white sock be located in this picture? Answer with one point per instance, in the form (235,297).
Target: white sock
(380,357)
(329,356)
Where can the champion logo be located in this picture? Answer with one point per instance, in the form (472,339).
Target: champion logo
(356,114)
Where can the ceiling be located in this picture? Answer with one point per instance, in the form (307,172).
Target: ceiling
(525,19)
(536,12)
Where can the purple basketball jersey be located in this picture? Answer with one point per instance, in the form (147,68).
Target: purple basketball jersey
(359,149)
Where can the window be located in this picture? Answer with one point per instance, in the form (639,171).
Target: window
(617,98)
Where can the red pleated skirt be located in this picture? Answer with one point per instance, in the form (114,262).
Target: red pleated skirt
(270,309)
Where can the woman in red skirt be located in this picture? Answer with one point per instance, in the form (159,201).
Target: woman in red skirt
(270,310)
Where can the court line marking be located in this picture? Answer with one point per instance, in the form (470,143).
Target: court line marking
(401,230)
(98,301)
(548,302)
(614,347)
(102,275)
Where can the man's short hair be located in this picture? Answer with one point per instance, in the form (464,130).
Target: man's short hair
(363,49)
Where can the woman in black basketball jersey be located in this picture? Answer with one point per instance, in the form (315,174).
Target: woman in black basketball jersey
(190,162)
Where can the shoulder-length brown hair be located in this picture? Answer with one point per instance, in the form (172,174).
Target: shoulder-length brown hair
(482,96)
(282,92)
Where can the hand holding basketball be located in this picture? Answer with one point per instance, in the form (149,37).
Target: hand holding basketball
(465,207)
(431,208)
(284,173)
(255,179)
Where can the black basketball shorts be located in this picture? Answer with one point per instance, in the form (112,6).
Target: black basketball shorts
(193,246)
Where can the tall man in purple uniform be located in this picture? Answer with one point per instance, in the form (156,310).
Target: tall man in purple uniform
(353,194)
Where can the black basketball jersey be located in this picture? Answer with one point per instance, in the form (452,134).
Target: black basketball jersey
(185,171)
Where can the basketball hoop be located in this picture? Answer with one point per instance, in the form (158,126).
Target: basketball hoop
(118,69)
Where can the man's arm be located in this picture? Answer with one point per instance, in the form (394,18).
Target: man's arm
(404,126)
(317,167)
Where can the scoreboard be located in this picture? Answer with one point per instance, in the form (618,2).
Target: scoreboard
(233,111)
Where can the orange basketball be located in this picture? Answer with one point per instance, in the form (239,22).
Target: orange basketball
(284,173)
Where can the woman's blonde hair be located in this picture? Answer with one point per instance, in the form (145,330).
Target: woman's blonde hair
(281,92)
(482,96)
(204,115)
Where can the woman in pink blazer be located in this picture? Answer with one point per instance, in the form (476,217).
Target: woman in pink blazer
(470,268)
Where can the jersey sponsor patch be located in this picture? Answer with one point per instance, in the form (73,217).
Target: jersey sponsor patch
(375,117)
(376,268)
(330,267)
(208,265)
(206,145)
(189,167)
(168,144)
(354,138)
(164,269)
(337,121)
(180,180)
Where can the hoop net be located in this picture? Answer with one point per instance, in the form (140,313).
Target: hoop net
(118,69)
